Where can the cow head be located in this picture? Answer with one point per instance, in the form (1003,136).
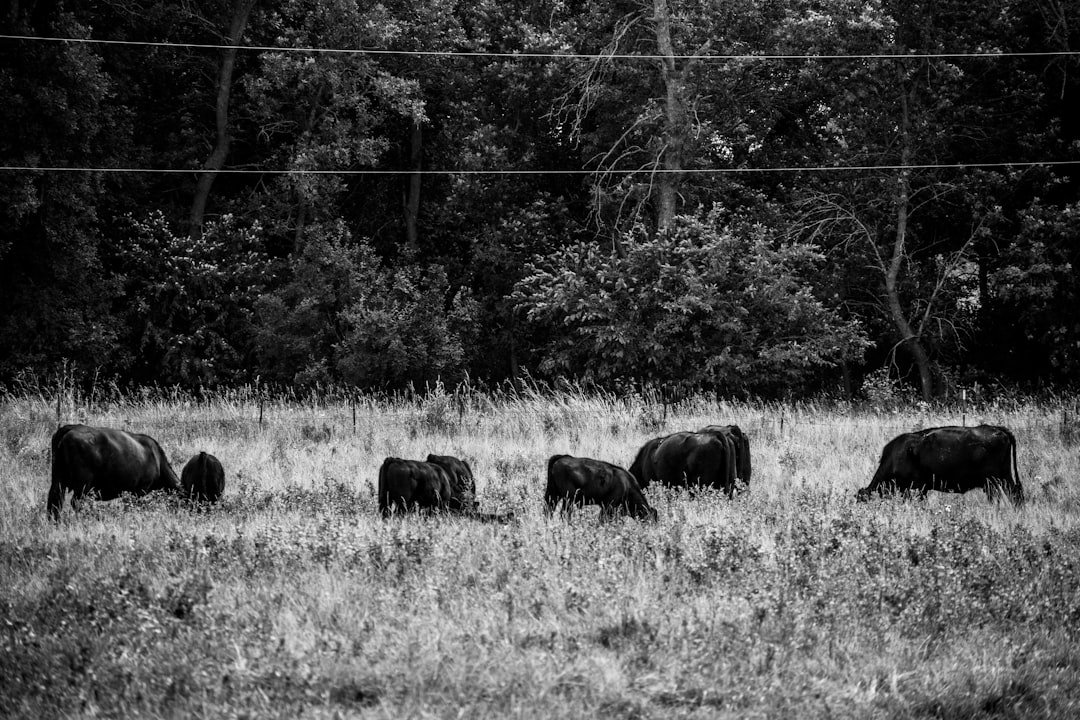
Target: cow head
(646,512)
(462,483)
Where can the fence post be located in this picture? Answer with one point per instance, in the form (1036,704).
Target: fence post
(260,408)
(352,401)
(963,408)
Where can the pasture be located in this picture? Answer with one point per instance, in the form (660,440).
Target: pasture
(293,598)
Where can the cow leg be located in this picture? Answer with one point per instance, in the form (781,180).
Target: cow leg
(76,499)
(551,501)
(56,499)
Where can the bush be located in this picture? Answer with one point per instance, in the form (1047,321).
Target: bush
(710,304)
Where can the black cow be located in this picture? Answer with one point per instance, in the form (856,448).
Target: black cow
(742,447)
(105,463)
(583,481)
(949,459)
(203,478)
(462,483)
(687,459)
(443,483)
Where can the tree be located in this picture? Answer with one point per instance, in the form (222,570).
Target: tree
(238,20)
(914,229)
(642,123)
(189,302)
(57,111)
(344,316)
(714,302)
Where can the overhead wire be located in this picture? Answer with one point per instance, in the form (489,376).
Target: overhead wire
(553,55)
(545,56)
(658,171)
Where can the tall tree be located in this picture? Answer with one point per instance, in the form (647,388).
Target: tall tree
(238,20)
(641,123)
(57,111)
(916,230)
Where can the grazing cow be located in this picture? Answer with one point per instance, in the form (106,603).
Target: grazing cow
(203,478)
(462,483)
(949,459)
(583,481)
(104,463)
(441,484)
(742,447)
(687,459)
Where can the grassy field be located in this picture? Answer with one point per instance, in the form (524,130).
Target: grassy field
(291,598)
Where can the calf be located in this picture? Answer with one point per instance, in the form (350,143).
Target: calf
(584,481)
(203,478)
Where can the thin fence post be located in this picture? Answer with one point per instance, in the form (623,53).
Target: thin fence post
(260,409)
(352,401)
(781,422)
(963,408)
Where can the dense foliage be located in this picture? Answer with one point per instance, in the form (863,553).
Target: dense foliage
(948,275)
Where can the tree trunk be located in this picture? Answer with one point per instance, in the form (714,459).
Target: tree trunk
(673,147)
(216,161)
(892,292)
(412,191)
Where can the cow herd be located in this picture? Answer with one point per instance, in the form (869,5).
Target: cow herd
(105,463)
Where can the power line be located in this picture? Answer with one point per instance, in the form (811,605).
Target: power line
(443,172)
(552,55)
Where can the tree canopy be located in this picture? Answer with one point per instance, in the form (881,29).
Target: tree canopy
(711,230)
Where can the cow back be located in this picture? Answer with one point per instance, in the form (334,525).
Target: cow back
(691,459)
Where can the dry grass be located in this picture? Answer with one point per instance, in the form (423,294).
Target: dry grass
(292,598)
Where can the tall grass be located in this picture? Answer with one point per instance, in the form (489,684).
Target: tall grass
(292,598)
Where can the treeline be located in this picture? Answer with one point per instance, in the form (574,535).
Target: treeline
(936,259)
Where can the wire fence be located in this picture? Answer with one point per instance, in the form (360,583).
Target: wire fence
(323,420)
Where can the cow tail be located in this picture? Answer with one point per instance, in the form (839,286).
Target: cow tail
(551,491)
(384,490)
(731,466)
(58,478)
(1018,489)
